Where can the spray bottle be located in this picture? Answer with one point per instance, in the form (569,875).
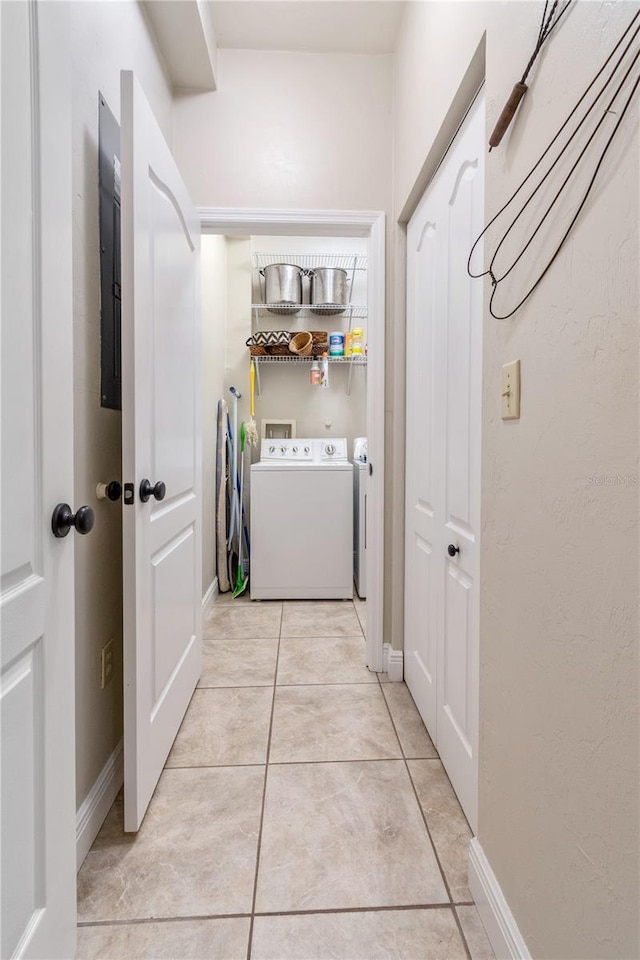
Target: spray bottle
(324,382)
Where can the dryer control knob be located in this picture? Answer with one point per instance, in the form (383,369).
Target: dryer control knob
(329,449)
(272,449)
(294,449)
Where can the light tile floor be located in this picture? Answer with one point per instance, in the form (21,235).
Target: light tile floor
(303,812)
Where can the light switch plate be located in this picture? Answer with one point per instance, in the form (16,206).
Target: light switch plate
(511,390)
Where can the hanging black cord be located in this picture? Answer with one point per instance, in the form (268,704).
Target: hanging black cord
(490,270)
(559,133)
(576,215)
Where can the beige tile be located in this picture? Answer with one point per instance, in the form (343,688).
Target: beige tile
(242,620)
(340,722)
(238,663)
(194,855)
(188,939)
(224,726)
(344,835)
(447,824)
(383,935)
(323,660)
(475,934)
(414,738)
(320,618)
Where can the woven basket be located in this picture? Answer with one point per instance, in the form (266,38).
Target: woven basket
(301,344)
(319,348)
(319,336)
(278,350)
(256,351)
(269,338)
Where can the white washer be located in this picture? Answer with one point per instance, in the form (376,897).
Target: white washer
(302,521)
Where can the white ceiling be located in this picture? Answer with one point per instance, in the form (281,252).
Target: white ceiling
(318,26)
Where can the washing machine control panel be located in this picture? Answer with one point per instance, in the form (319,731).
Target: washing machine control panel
(304,451)
(333,450)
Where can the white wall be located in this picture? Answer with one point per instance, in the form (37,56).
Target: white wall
(214,336)
(558,801)
(105,38)
(290,130)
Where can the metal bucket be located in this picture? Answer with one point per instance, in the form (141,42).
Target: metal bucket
(329,295)
(283,287)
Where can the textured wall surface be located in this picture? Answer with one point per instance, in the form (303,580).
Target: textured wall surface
(558,801)
(105,38)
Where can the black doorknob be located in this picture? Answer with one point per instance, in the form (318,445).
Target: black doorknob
(452,550)
(146,490)
(63,519)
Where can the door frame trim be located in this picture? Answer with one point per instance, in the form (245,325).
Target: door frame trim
(237,221)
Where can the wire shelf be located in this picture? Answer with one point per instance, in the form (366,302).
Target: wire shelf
(358,361)
(343,261)
(306,310)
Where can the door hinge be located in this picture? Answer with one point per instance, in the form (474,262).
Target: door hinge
(129,494)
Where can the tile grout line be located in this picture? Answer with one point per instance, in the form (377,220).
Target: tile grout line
(315,683)
(320,911)
(264,791)
(291,763)
(427,828)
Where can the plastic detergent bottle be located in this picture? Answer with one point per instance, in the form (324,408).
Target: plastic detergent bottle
(315,374)
(357,341)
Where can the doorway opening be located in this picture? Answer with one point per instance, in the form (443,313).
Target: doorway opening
(251,233)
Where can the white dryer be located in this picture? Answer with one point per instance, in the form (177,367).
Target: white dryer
(302,521)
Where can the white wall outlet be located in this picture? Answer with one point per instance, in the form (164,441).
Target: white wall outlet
(511,390)
(106,664)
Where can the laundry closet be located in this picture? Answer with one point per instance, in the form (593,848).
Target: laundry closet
(286,318)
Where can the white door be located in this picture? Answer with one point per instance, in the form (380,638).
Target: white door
(444,382)
(36,593)
(161,445)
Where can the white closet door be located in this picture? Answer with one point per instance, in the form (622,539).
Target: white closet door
(444,393)
(36,594)
(161,445)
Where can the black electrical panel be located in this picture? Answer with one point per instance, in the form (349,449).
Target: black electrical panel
(110,294)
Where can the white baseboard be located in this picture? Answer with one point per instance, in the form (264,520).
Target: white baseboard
(97,803)
(501,927)
(393,661)
(212,592)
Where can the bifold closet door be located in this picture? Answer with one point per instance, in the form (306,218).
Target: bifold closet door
(444,393)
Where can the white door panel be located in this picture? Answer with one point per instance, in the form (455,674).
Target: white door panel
(444,341)
(161,442)
(36,587)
